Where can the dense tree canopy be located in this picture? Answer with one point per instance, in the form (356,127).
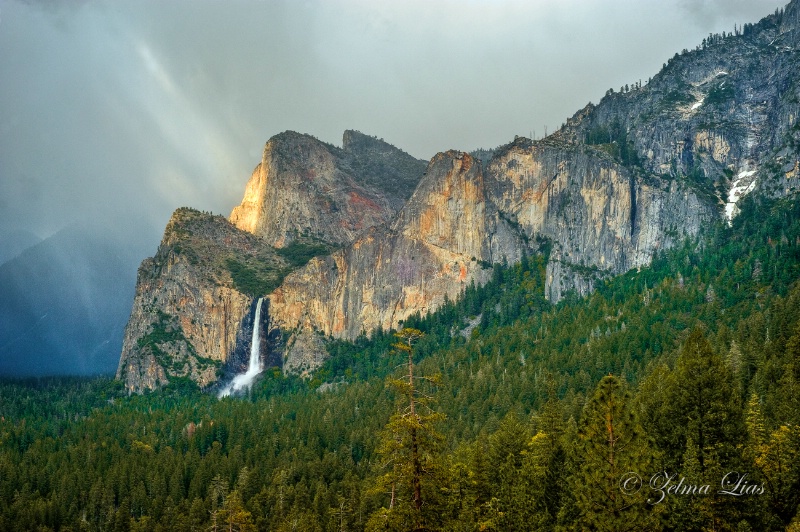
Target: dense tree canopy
(685,374)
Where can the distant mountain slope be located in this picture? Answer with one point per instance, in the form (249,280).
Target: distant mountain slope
(722,118)
(64,304)
(12,243)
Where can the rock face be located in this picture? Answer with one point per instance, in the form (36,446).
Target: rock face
(191,299)
(306,188)
(442,239)
(642,170)
(602,217)
(193,309)
(721,117)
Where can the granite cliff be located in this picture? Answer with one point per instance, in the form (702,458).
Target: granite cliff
(306,188)
(721,119)
(445,237)
(344,240)
(602,217)
(191,300)
(193,309)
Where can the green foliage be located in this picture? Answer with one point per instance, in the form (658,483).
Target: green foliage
(720,94)
(611,445)
(255,280)
(675,98)
(409,450)
(299,252)
(166,335)
(258,278)
(706,328)
(613,140)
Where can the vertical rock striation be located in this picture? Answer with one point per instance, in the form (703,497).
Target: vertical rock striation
(441,240)
(602,217)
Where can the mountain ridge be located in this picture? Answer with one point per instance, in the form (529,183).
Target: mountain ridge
(635,174)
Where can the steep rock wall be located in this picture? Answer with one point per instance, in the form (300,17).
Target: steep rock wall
(193,299)
(720,117)
(442,239)
(187,309)
(602,218)
(304,187)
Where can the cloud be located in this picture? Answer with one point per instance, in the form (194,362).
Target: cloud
(109,107)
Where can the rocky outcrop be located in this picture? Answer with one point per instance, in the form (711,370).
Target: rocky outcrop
(191,299)
(382,167)
(602,217)
(306,188)
(443,239)
(721,119)
(192,312)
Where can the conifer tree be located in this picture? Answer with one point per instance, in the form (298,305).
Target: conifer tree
(408,449)
(611,446)
(507,449)
(705,405)
(775,459)
(707,426)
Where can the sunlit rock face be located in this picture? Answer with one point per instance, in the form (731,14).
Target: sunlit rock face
(600,218)
(193,297)
(304,187)
(645,168)
(445,237)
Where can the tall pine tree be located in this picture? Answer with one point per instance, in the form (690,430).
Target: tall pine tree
(409,451)
(611,447)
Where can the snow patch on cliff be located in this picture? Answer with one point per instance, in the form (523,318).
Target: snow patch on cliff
(741,187)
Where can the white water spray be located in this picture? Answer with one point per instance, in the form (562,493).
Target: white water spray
(244,380)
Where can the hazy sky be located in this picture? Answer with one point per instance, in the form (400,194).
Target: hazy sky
(124,110)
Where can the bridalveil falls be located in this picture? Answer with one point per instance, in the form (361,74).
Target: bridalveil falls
(244,380)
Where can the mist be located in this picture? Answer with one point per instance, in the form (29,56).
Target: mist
(113,114)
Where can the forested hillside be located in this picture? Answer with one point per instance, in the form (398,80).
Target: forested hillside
(526,415)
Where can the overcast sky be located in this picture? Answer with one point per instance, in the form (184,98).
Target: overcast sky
(125,110)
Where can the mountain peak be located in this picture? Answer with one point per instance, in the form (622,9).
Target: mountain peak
(354,141)
(790,22)
(645,168)
(304,187)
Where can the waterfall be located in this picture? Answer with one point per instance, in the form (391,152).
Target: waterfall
(244,380)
